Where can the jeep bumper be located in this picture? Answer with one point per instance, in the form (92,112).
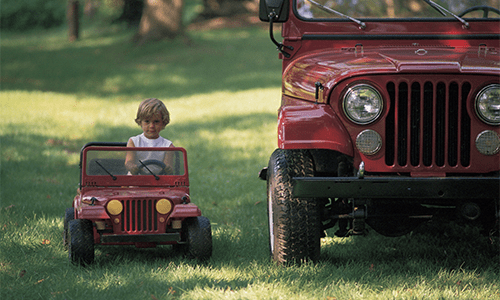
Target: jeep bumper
(445,188)
(140,238)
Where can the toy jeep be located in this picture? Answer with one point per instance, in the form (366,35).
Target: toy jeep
(148,208)
(389,117)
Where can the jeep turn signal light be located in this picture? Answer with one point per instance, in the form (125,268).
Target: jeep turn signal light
(368,142)
(488,142)
(115,207)
(163,206)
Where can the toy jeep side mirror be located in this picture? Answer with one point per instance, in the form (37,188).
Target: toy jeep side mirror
(275,10)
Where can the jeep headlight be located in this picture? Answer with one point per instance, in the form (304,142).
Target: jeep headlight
(488,104)
(362,104)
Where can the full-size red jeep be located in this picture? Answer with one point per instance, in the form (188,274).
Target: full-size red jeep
(390,116)
(151,207)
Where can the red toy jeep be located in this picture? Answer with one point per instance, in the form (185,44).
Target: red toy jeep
(153,207)
(390,116)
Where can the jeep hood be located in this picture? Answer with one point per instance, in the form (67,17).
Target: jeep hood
(331,67)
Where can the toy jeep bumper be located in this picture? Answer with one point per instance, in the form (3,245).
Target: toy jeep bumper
(146,208)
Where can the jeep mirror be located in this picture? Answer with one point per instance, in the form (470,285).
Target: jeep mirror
(277,10)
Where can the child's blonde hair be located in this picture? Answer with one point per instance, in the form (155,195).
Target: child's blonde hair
(149,107)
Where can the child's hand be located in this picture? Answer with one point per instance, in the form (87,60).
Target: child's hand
(168,170)
(132,168)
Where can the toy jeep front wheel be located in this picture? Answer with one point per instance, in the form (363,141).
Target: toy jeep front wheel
(80,242)
(198,233)
(294,223)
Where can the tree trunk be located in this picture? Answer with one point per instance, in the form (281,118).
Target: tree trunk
(73,22)
(160,19)
(131,13)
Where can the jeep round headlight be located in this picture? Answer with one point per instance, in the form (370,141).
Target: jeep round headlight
(362,104)
(114,207)
(488,104)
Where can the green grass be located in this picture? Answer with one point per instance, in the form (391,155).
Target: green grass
(223,92)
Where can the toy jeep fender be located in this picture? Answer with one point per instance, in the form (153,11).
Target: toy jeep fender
(389,117)
(149,208)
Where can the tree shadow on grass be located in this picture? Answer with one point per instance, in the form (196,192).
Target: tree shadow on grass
(448,246)
(222,60)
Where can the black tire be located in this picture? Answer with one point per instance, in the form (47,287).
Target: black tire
(294,223)
(198,238)
(80,242)
(69,215)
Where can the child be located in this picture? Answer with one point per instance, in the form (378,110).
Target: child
(152,116)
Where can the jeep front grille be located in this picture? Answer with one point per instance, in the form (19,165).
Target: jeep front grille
(428,124)
(139,216)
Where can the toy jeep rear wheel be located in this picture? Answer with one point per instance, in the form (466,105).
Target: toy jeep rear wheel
(294,223)
(69,215)
(80,242)
(199,238)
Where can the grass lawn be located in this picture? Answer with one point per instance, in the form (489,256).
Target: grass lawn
(223,92)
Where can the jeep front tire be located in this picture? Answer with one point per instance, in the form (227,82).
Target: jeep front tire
(294,223)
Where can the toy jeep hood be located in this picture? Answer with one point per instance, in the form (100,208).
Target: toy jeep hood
(101,195)
(333,66)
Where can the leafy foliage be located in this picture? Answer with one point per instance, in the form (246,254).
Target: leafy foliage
(27,14)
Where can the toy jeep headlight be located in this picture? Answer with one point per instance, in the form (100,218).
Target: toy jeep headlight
(488,104)
(114,207)
(362,104)
(163,206)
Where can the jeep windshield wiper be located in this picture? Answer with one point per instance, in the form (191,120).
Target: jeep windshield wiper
(362,25)
(444,11)
(105,170)
(145,166)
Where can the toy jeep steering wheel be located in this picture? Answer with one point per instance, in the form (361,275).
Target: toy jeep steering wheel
(154,162)
(485,8)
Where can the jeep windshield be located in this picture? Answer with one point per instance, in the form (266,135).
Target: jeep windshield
(112,166)
(142,162)
(396,9)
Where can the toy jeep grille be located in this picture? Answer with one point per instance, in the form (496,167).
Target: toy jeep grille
(428,124)
(139,216)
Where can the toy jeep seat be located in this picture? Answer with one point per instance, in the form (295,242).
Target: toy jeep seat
(112,165)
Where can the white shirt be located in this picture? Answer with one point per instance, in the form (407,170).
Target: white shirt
(142,141)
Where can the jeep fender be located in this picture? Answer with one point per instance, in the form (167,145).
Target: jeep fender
(311,126)
(92,212)
(182,211)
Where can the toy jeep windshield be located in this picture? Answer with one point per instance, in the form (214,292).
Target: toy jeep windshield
(389,117)
(145,207)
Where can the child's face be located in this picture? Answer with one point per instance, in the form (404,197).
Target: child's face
(152,126)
